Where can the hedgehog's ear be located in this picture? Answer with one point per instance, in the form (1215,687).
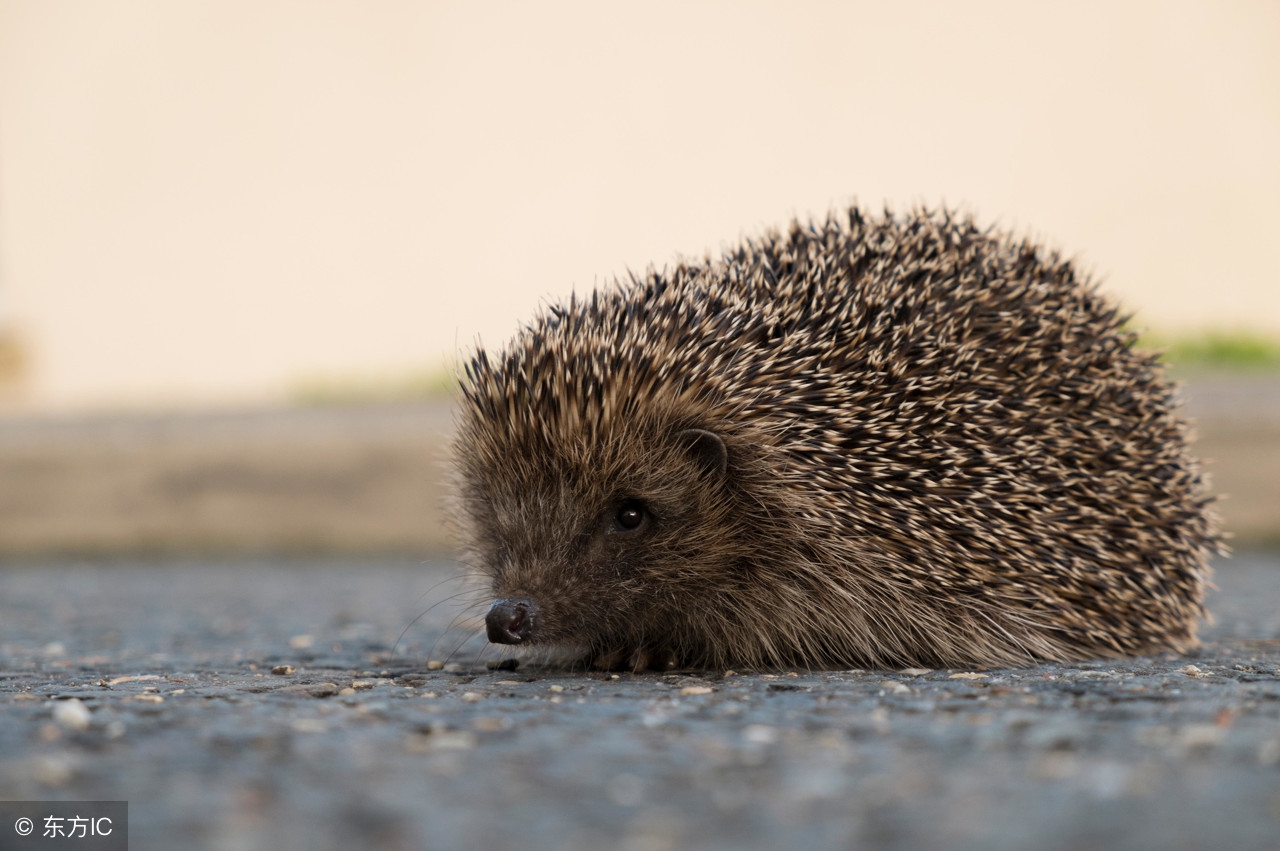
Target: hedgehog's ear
(707,449)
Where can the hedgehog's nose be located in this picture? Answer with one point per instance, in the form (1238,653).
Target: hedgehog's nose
(512,621)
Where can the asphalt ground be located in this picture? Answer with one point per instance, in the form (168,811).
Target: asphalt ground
(279,704)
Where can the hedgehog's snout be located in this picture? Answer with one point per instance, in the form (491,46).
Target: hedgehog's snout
(512,620)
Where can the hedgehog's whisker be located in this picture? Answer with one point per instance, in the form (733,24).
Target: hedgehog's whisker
(460,645)
(453,622)
(428,610)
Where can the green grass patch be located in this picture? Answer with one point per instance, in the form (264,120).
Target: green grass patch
(1216,350)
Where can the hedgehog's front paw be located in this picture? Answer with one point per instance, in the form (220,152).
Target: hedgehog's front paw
(634,659)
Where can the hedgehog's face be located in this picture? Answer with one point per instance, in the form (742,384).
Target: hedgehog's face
(600,547)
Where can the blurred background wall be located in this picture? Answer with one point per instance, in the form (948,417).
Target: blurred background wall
(206,204)
(219,200)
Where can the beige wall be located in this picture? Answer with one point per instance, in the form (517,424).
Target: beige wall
(204,200)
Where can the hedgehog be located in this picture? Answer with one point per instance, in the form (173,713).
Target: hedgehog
(870,440)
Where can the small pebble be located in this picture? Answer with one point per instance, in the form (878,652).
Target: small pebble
(72,714)
(969,675)
(54,770)
(696,690)
(118,680)
(283,670)
(312,689)
(435,665)
(452,741)
(491,724)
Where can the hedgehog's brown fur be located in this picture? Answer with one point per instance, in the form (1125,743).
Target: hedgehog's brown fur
(942,449)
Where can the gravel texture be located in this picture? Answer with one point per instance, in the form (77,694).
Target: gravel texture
(251,705)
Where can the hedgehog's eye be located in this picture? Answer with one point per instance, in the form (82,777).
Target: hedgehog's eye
(631,516)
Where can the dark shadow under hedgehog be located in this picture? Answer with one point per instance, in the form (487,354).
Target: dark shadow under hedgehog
(870,441)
